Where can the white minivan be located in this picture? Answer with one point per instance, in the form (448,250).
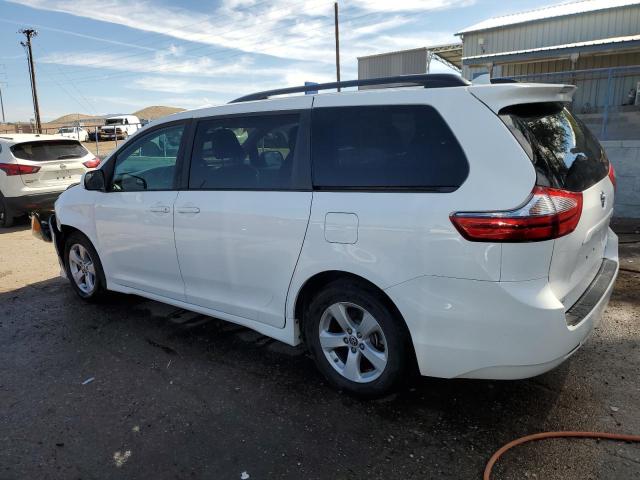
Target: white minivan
(462,230)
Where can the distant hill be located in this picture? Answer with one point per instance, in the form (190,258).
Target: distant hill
(151,113)
(71,118)
(148,113)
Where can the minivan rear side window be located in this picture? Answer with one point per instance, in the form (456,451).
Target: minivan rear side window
(45,150)
(563,151)
(253,152)
(386,147)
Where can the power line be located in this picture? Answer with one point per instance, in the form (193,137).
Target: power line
(71,82)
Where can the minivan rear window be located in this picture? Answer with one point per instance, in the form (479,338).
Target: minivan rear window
(563,151)
(386,147)
(45,150)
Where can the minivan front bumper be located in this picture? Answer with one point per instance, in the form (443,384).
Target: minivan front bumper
(499,330)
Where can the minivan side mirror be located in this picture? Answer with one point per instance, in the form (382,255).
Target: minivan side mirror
(94,180)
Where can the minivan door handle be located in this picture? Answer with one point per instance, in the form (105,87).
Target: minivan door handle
(160,209)
(188,210)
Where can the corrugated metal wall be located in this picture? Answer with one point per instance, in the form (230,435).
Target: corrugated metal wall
(592,87)
(395,63)
(555,31)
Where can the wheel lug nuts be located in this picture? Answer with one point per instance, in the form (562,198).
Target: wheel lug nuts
(345,340)
(362,346)
(359,335)
(353,349)
(349,331)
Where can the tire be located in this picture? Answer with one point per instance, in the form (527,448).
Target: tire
(343,357)
(84,269)
(6,219)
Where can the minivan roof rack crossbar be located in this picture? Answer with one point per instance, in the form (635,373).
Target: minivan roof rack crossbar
(426,80)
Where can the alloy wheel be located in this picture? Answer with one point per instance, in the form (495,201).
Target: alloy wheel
(82,268)
(353,342)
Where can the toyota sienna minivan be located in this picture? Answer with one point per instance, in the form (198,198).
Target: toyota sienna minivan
(459,229)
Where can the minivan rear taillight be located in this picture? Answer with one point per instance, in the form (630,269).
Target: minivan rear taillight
(16,169)
(612,175)
(549,213)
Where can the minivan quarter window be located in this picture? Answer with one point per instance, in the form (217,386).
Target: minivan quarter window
(149,163)
(254,152)
(385,147)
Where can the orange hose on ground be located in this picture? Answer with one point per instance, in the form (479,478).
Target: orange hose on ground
(540,436)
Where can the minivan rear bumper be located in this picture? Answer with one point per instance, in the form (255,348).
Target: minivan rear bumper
(499,330)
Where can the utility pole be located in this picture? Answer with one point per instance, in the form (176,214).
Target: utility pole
(29,33)
(2,105)
(2,82)
(337,33)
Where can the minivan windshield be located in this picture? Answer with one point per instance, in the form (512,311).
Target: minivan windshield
(563,151)
(114,121)
(45,150)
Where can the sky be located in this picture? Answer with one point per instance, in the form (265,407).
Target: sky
(116,56)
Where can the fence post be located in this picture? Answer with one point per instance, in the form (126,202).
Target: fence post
(97,147)
(605,116)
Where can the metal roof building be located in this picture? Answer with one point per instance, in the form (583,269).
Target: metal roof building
(582,36)
(405,62)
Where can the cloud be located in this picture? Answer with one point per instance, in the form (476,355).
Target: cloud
(280,28)
(169,63)
(410,5)
(81,35)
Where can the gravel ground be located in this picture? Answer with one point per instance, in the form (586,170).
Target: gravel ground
(103,149)
(178,395)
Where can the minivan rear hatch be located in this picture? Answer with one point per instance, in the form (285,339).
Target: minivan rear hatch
(566,155)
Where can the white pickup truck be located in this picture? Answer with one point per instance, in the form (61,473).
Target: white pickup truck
(120,127)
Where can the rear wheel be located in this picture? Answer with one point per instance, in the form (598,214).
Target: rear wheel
(357,341)
(6,219)
(83,268)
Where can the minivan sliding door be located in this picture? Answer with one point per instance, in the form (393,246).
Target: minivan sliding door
(240,225)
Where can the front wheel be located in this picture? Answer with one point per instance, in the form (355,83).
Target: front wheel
(83,268)
(358,342)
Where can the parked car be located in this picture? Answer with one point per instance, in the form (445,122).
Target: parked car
(457,228)
(35,169)
(77,133)
(120,127)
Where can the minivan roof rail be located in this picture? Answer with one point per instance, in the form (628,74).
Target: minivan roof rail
(426,80)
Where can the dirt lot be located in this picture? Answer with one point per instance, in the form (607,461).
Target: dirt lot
(102,148)
(178,395)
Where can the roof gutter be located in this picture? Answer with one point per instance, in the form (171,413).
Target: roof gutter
(555,51)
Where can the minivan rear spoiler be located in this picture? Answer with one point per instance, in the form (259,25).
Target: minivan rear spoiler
(498,96)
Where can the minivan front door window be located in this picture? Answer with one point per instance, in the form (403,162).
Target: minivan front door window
(149,164)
